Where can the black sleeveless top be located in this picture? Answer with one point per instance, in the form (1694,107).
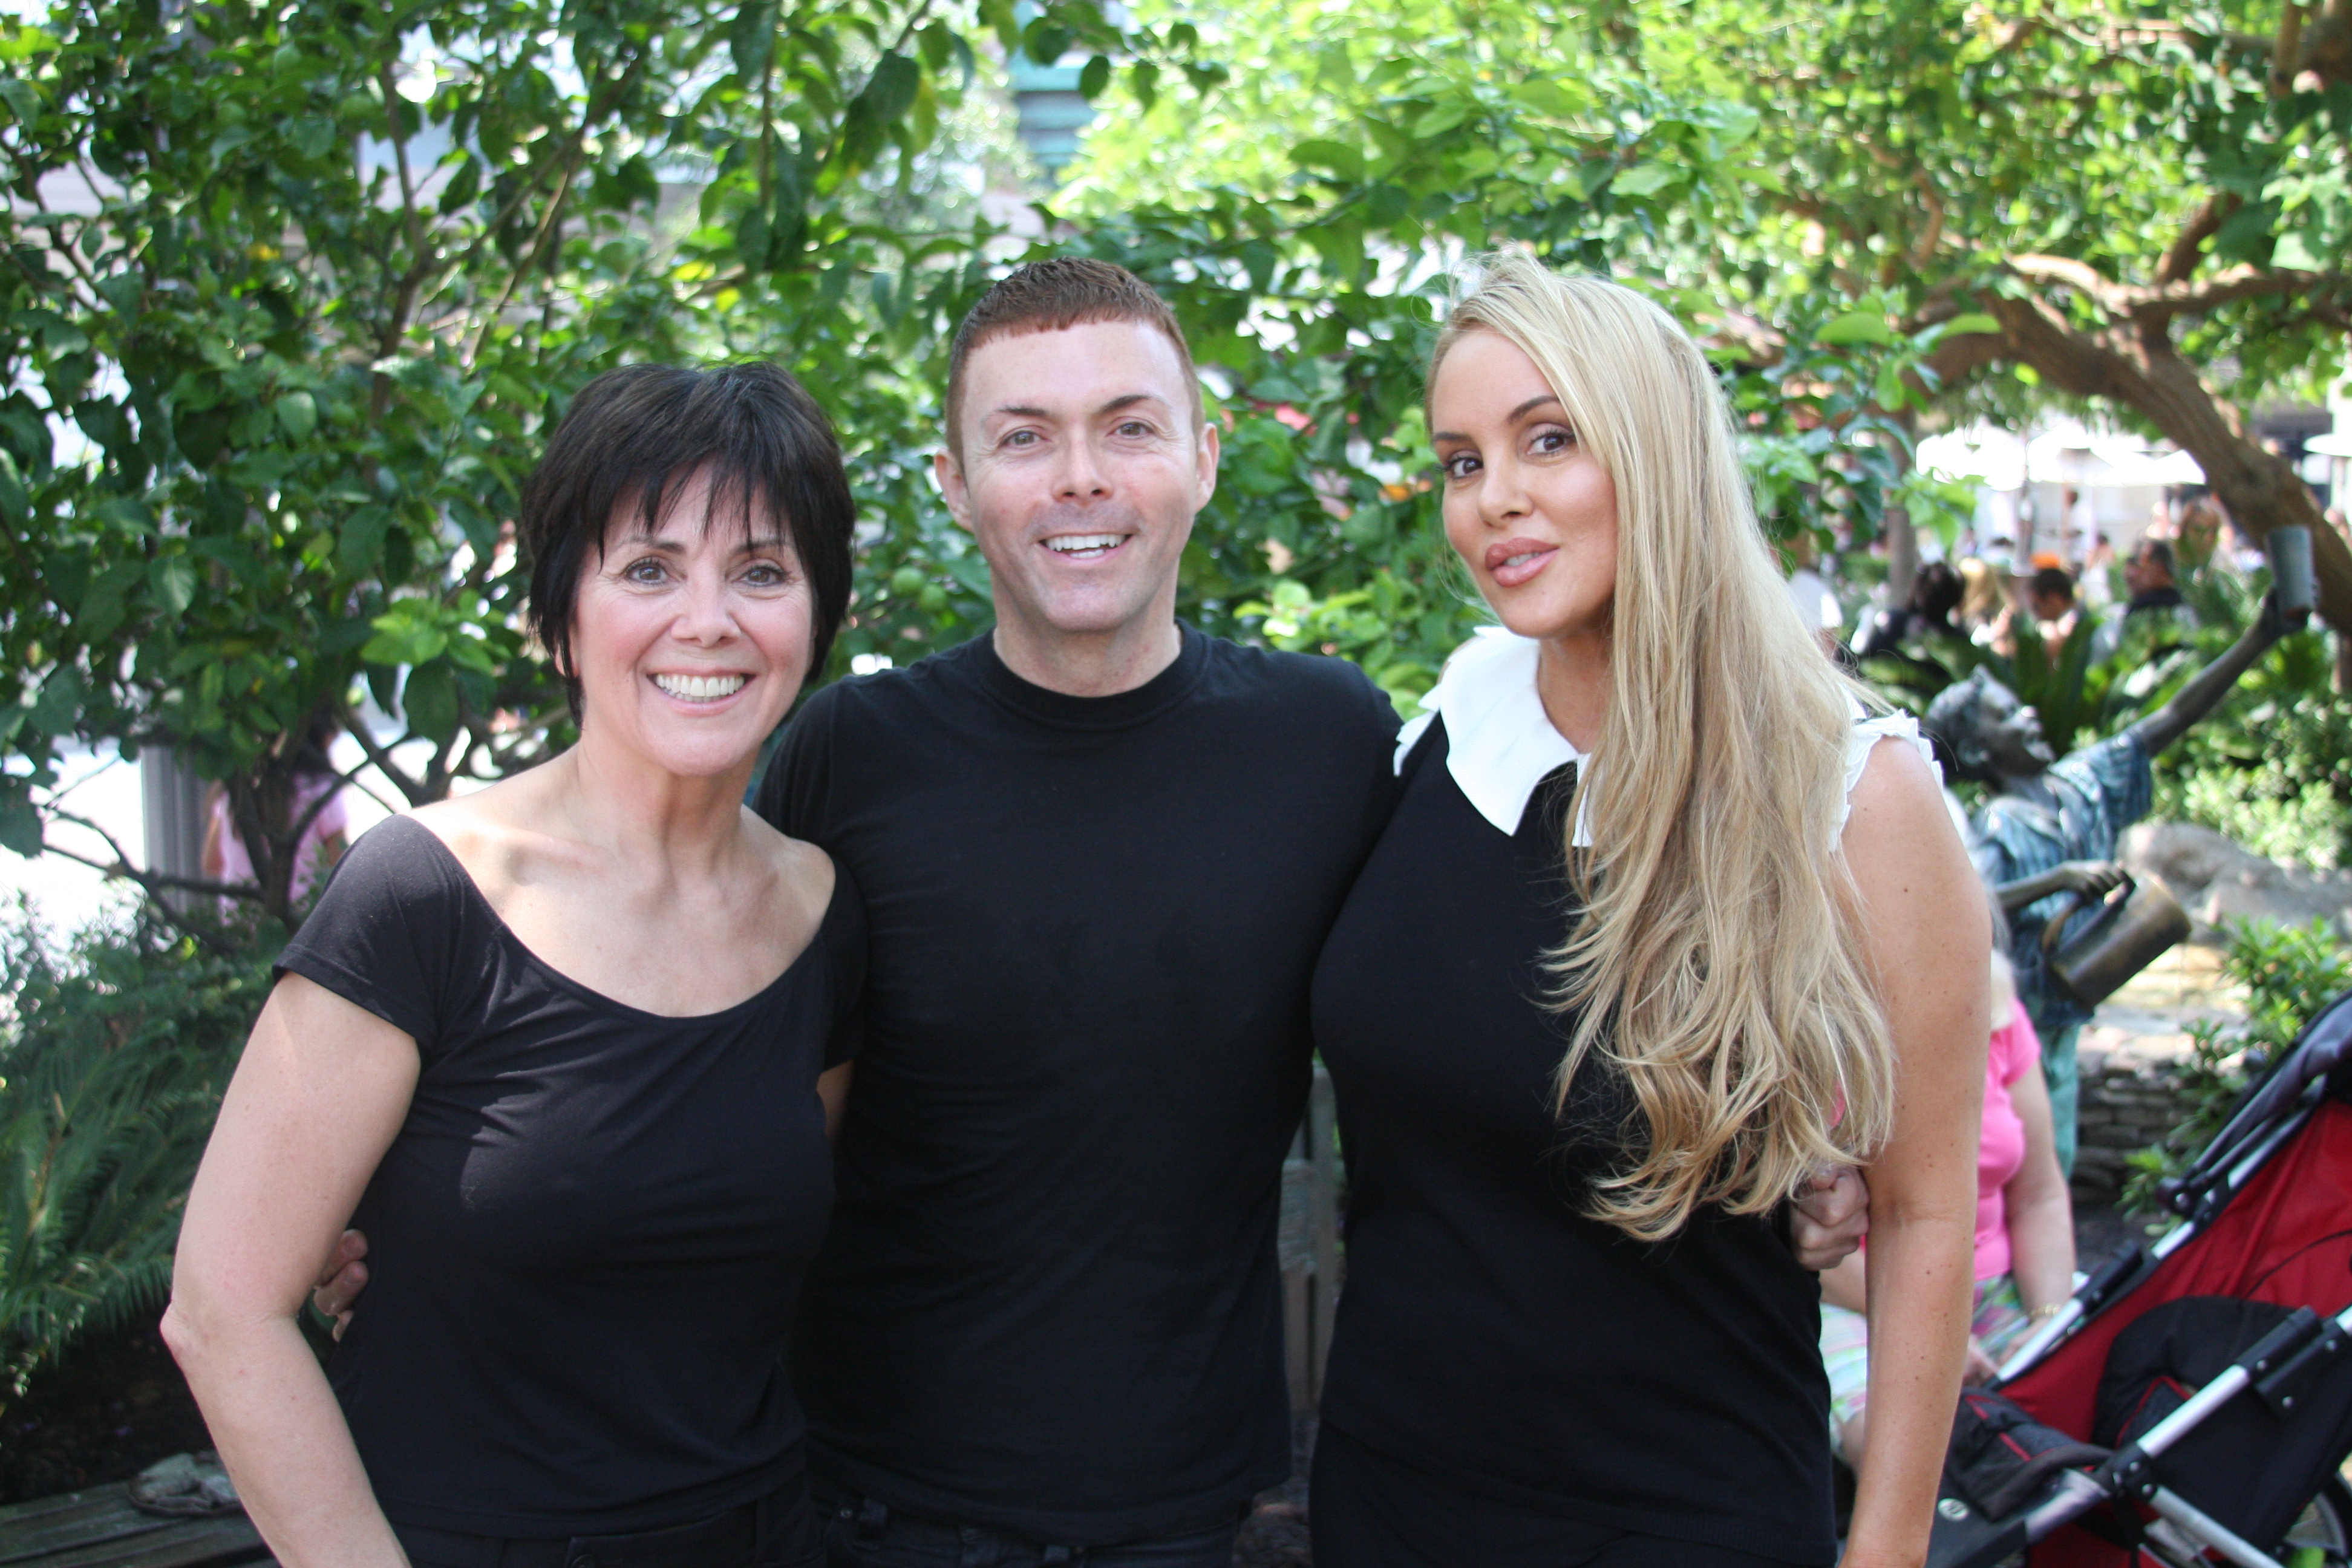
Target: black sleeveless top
(584,1242)
(1488,1333)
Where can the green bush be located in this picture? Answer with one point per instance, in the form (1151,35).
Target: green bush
(2289,973)
(113,1053)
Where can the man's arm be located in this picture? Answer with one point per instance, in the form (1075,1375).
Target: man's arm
(2097,877)
(2209,685)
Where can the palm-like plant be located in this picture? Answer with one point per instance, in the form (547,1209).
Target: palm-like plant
(113,1057)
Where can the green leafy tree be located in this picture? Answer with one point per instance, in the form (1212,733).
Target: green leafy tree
(294,291)
(2142,205)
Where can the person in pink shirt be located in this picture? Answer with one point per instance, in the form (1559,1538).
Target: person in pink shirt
(2025,1229)
(225,857)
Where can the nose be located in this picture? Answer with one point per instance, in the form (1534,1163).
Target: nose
(1079,476)
(707,616)
(1502,494)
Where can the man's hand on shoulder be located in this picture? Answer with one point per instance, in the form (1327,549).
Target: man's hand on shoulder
(341,1281)
(1832,1213)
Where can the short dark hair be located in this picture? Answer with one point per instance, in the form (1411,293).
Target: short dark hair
(1937,591)
(1053,297)
(638,435)
(2054,582)
(2157,552)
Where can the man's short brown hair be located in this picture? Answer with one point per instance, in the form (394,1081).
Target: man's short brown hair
(1053,297)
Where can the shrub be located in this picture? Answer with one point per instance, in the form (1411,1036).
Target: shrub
(113,1054)
(2289,973)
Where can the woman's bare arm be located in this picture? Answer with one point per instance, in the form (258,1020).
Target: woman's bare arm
(833,1092)
(2035,1205)
(322,1088)
(1929,947)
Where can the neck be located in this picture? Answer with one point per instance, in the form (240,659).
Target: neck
(1090,664)
(624,805)
(1572,678)
(2025,786)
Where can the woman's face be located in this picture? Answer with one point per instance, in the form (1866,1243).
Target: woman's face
(689,642)
(1527,507)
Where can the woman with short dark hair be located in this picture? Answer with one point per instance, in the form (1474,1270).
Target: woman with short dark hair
(566,1048)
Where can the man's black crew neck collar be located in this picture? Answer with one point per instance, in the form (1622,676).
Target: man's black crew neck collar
(1116,711)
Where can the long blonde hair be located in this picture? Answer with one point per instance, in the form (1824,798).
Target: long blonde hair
(1716,962)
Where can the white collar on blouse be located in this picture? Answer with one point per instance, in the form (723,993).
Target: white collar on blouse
(1500,743)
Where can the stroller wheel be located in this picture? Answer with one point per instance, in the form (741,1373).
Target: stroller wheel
(2321,1534)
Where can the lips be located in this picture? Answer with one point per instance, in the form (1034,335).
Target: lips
(1516,560)
(1083,546)
(702,687)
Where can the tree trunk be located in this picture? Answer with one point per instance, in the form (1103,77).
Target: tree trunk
(2134,364)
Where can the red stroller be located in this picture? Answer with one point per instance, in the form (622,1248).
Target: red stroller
(2193,1403)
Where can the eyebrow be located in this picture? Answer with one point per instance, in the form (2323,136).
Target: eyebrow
(646,541)
(1521,411)
(1031,411)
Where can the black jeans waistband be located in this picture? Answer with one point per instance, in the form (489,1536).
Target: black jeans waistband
(779,1530)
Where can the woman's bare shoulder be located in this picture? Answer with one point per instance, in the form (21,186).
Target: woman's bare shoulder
(804,871)
(487,832)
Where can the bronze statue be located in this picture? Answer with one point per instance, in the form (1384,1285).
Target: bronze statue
(2048,831)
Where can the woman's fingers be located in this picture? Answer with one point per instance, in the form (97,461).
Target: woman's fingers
(1831,1215)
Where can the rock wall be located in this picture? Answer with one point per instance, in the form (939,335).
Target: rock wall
(2130,1099)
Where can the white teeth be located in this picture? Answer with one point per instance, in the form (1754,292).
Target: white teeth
(1521,560)
(700,688)
(1084,543)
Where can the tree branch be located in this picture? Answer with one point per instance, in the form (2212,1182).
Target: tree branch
(2214,211)
(566,157)
(539,240)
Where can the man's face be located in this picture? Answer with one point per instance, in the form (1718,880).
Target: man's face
(2012,733)
(2142,574)
(1080,473)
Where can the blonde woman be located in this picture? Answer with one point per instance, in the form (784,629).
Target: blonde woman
(1581,1068)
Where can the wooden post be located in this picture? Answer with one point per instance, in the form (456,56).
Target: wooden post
(172,812)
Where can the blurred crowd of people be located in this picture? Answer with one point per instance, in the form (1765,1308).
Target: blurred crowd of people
(1992,593)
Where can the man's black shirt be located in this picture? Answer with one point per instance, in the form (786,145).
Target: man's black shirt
(1049,1299)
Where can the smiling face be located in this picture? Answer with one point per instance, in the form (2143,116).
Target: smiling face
(1080,472)
(1530,510)
(2010,732)
(689,642)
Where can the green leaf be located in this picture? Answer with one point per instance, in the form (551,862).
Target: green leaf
(1337,157)
(1644,179)
(174,580)
(1094,77)
(297,415)
(428,699)
(750,35)
(1855,327)
(2294,253)
(312,135)
(890,91)
(360,543)
(21,98)
(1551,97)
(20,826)
(1974,322)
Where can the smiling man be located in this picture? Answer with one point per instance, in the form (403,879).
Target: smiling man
(1099,853)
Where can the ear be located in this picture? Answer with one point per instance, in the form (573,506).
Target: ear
(1206,448)
(949,471)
